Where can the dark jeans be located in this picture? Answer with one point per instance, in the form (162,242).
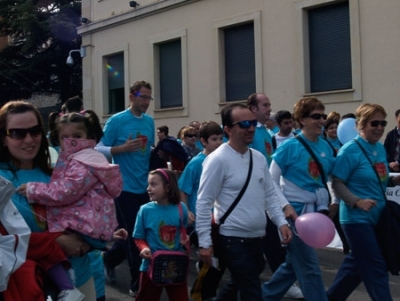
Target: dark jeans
(194,239)
(245,260)
(274,252)
(127,206)
(364,263)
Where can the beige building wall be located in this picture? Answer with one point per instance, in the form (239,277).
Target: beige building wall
(280,28)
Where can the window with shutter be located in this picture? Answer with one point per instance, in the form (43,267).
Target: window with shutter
(330,48)
(115,81)
(240,72)
(170,60)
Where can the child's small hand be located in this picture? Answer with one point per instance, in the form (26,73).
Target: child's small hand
(22,189)
(120,234)
(145,253)
(191,217)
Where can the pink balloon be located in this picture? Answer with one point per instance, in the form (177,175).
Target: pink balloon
(315,229)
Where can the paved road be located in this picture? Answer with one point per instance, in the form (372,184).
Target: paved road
(330,260)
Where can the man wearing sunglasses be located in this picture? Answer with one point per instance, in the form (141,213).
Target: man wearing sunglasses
(224,174)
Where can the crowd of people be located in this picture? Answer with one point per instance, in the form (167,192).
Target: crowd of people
(252,174)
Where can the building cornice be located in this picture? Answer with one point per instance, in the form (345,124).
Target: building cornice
(138,13)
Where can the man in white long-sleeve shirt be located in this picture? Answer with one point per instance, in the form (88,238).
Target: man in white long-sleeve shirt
(240,240)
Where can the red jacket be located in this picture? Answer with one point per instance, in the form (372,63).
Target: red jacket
(26,283)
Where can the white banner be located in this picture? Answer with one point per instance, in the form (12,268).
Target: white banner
(393,194)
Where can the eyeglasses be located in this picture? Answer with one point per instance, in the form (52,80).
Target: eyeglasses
(190,135)
(245,124)
(317,116)
(375,123)
(19,134)
(145,97)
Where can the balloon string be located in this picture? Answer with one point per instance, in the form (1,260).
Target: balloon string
(293,227)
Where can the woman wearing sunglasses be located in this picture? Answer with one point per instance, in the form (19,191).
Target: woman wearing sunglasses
(24,157)
(189,138)
(361,187)
(330,133)
(301,187)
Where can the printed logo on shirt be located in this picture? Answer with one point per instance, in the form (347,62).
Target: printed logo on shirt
(144,141)
(381,170)
(313,169)
(167,234)
(268,148)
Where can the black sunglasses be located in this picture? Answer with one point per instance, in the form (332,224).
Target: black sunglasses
(245,124)
(375,123)
(190,135)
(19,134)
(317,116)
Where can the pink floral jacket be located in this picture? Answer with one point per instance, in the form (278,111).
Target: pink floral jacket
(81,192)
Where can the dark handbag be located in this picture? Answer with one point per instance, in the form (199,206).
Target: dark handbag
(170,267)
(214,225)
(388,229)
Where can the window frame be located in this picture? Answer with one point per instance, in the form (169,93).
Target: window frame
(154,41)
(104,76)
(334,96)
(219,49)
(108,81)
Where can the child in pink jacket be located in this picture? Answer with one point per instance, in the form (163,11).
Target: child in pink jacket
(83,185)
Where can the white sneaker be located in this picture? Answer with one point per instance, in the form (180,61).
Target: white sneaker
(294,292)
(70,295)
(133,293)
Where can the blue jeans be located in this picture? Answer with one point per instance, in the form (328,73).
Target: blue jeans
(364,263)
(301,264)
(245,260)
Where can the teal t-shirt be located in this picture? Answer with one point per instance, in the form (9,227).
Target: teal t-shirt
(80,265)
(199,145)
(355,170)
(159,226)
(189,180)
(263,143)
(134,166)
(299,167)
(335,143)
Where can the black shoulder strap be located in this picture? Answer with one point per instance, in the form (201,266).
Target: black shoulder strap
(320,168)
(331,145)
(307,147)
(236,201)
(273,142)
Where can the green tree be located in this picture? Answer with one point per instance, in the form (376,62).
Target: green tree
(41,33)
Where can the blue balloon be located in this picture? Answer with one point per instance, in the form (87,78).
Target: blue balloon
(347,130)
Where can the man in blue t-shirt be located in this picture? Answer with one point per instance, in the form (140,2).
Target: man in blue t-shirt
(128,137)
(260,105)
